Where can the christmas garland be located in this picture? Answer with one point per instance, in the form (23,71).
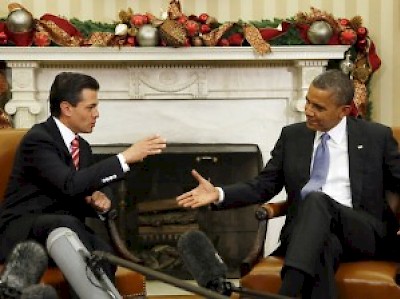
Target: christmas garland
(177,29)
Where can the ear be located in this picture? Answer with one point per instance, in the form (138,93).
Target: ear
(66,108)
(345,110)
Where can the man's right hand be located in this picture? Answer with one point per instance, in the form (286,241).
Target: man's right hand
(205,193)
(152,145)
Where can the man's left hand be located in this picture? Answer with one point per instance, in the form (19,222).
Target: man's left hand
(99,201)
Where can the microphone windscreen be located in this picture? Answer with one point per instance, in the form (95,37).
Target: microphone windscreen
(24,266)
(200,258)
(39,291)
(71,256)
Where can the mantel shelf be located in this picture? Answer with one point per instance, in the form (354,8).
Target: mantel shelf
(85,54)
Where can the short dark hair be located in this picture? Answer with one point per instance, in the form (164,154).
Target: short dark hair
(338,83)
(67,86)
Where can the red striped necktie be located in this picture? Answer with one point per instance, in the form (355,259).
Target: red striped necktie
(75,151)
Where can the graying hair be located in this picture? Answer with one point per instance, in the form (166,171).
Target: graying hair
(338,83)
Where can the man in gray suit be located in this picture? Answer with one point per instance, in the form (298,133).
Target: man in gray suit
(53,184)
(335,185)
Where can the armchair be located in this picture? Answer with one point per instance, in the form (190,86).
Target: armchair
(355,280)
(130,284)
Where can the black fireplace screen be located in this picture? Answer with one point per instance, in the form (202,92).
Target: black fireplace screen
(150,220)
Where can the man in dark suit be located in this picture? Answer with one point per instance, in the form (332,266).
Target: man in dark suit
(344,215)
(51,187)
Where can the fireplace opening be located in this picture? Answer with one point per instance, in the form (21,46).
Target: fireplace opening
(150,220)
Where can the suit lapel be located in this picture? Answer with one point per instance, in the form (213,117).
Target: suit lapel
(304,152)
(56,134)
(84,153)
(356,149)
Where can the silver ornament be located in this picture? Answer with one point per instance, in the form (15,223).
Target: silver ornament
(319,33)
(19,21)
(147,36)
(347,66)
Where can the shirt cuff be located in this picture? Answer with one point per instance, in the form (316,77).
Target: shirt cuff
(221,195)
(125,167)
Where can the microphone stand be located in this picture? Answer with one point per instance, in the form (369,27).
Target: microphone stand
(226,288)
(252,294)
(101,255)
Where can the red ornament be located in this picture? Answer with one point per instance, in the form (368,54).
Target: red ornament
(223,42)
(344,22)
(41,39)
(236,39)
(3,38)
(192,28)
(203,18)
(205,28)
(361,44)
(131,41)
(362,32)
(348,37)
(182,19)
(137,20)
(145,19)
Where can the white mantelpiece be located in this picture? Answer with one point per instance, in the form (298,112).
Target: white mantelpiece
(195,95)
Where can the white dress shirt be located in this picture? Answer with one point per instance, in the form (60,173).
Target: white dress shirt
(337,183)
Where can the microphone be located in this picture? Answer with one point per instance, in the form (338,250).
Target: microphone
(24,267)
(72,257)
(202,260)
(39,291)
(207,267)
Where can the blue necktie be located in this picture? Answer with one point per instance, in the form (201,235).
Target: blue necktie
(320,167)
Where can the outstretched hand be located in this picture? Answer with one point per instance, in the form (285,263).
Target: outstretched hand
(152,145)
(205,193)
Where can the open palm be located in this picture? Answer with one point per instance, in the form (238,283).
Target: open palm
(205,193)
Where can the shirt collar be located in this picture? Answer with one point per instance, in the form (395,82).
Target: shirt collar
(337,133)
(66,133)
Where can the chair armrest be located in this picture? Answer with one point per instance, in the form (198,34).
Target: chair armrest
(257,250)
(117,241)
(271,210)
(263,214)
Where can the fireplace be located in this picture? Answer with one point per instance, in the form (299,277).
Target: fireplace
(152,222)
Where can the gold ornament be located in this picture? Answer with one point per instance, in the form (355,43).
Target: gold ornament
(197,41)
(253,36)
(360,97)
(173,33)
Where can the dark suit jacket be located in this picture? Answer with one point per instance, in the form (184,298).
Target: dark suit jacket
(44,180)
(374,166)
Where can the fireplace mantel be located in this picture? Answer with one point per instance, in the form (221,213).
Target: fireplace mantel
(87,54)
